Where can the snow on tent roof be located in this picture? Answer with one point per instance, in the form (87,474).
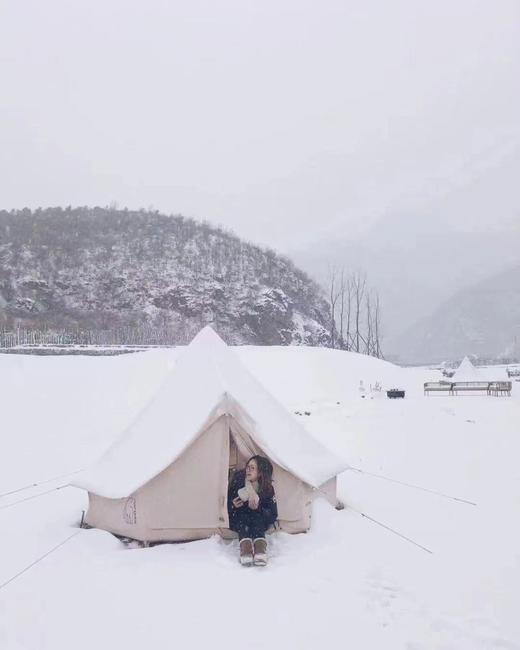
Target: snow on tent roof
(466,372)
(207,380)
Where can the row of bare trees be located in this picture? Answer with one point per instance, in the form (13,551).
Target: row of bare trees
(355,313)
(143,334)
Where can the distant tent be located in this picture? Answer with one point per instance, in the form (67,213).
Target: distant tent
(467,372)
(166,477)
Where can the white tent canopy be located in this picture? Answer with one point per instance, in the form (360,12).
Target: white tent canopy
(467,372)
(208,382)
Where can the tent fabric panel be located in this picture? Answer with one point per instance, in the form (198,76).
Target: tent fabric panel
(291,493)
(329,491)
(113,515)
(108,514)
(190,493)
(177,534)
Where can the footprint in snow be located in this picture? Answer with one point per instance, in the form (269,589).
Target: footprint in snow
(382,597)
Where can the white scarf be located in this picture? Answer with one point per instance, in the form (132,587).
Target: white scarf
(252,493)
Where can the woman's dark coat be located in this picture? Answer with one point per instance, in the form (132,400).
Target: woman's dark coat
(267,506)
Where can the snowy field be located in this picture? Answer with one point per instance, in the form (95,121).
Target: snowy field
(347,584)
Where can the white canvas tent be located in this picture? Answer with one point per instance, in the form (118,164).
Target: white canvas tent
(467,372)
(166,477)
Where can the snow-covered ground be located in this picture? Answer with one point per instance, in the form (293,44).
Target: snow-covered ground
(347,583)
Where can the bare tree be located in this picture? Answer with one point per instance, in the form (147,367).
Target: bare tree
(358,287)
(368,313)
(345,309)
(341,307)
(349,313)
(355,313)
(377,328)
(334,294)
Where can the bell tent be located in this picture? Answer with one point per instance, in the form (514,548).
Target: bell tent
(166,477)
(467,372)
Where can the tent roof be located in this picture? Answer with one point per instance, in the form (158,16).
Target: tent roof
(467,372)
(208,381)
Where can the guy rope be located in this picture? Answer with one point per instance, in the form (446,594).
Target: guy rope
(31,485)
(415,487)
(42,557)
(392,530)
(379,523)
(34,496)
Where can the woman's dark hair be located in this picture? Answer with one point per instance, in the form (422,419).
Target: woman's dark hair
(265,475)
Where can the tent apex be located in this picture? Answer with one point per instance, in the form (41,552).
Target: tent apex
(207,337)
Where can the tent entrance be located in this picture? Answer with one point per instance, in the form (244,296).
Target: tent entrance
(241,446)
(233,457)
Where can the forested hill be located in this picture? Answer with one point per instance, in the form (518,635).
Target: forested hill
(103,269)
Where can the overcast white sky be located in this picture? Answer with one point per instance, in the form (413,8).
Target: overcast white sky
(284,120)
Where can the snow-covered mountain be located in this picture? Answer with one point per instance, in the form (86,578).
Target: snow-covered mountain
(482,320)
(103,269)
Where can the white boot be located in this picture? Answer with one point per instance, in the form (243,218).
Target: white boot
(246,551)
(260,551)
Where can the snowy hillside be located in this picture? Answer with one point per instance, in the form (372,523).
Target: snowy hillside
(347,583)
(106,269)
(482,320)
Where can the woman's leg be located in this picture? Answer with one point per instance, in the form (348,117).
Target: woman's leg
(257,529)
(256,526)
(240,524)
(248,523)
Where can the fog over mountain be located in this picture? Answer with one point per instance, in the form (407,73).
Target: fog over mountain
(482,320)
(419,258)
(286,121)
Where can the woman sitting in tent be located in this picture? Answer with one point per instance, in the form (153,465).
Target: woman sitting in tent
(252,509)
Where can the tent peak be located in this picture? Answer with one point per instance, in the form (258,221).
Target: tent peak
(207,337)
(467,371)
